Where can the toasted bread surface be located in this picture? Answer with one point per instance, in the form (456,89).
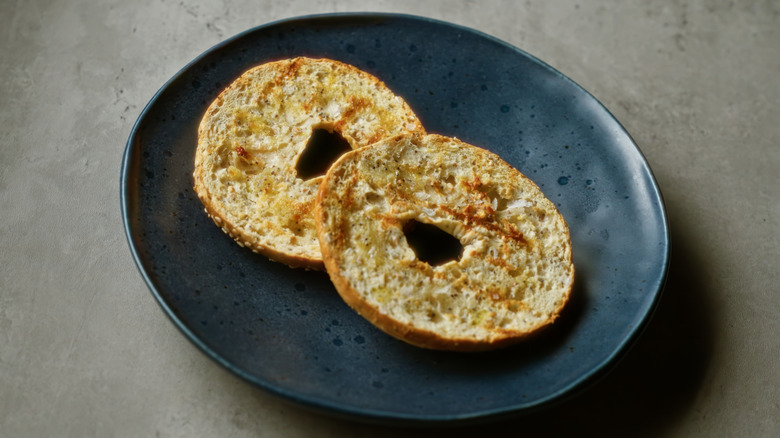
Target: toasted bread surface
(253,134)
(514,274)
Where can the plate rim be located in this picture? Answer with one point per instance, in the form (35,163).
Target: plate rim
(317,404)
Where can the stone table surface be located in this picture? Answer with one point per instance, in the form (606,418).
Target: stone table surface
(86,351)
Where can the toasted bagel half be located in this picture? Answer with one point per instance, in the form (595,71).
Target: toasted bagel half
(512,276)
(249,171)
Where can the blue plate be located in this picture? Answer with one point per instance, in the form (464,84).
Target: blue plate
(288,332)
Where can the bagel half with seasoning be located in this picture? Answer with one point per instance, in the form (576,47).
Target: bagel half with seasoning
(264,143)
(510,276)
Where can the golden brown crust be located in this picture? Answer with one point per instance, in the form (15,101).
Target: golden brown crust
(243,240)
(494,300)
(251,136)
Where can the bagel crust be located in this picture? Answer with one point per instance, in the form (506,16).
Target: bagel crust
(252,135)
(515,272)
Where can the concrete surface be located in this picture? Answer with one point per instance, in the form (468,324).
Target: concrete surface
(86,351)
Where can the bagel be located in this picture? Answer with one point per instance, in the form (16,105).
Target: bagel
(252,137)
(512,277)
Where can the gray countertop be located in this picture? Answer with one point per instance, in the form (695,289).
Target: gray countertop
(86,351)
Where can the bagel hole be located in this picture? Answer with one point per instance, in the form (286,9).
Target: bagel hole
(431,244)
(324,147)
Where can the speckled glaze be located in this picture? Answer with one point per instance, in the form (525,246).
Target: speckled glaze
(287,331)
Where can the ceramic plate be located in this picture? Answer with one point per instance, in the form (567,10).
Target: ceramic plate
(288,332)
